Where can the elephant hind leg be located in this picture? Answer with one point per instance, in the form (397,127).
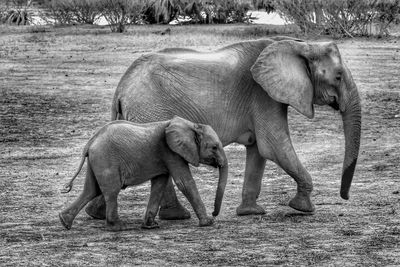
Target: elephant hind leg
(97,208)
(113,223)
(90,190)
(110,186)
(171,208)
(158,185)
(254,171)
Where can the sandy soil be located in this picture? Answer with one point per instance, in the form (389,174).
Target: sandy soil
(56,89)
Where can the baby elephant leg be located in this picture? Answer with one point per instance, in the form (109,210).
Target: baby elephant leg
(109,182)
(113,223)
(90,190)
(183,178)
(158,185)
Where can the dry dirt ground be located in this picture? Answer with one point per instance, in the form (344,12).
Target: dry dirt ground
(56,89)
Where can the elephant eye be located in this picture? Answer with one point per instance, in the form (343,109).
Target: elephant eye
(215,147)
(338,76)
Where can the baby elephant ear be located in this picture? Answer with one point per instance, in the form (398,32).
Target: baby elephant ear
(181,138)
(282,71)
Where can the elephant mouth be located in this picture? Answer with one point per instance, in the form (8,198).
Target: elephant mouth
(334,105)
(214,163)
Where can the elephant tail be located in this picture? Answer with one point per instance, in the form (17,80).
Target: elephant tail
(68,186)
(116,112)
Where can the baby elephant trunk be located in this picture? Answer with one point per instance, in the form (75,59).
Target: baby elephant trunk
(223,178)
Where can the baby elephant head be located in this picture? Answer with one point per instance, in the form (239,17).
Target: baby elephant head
(196,143)
(199,143)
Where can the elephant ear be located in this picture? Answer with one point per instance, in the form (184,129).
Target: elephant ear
(282,71)
(181,138)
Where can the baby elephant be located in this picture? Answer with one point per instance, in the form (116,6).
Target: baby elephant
(123,153)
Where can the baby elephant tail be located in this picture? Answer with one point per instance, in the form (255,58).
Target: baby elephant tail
(68,186)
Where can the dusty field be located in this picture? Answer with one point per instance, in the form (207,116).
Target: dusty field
(56,89)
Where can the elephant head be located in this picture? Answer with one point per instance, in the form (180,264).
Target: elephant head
(199,143)
(302,74)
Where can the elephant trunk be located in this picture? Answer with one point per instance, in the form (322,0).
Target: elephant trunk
(223,178)
(351,117)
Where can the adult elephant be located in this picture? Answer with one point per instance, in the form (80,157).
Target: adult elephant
(243,92)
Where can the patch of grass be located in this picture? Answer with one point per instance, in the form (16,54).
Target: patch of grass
(394,230)
(317,256)
(350,232)
(382,241)
(38,29)
(310,254)
(188,35)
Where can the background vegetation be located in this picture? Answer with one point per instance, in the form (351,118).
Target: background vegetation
(341,17)
(322,17)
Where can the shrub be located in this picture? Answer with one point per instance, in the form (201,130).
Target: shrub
(234,11)
(268,5)
(163,11)
(15,12)
(73,11)
(120,13)
(339,17)
(84,11)
(200,11)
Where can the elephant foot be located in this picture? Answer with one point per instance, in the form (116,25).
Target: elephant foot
(253,209)
(116,226)
(206,222)
(174,213)
(66,220)
(302,202)
(150,224)
(96,210)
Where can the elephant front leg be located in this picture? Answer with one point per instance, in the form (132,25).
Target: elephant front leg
(274,143)
(281,151)
(254,171)
(186,184)
(171,208)
(291,165)
(158,185)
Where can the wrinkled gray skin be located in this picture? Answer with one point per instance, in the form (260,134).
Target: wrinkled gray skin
(122,154)
(243,92)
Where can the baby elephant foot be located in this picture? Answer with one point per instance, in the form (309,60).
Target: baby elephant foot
(302,202)
(66,220)
(116,226)
(174,213)
(206,221)
(150,224)
(249,209)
